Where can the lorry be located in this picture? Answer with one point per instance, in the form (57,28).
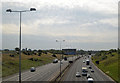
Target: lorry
(87,62)
(84,69)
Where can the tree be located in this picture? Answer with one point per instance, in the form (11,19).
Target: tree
(17,49)
(54,55)
(6,49)
(29,50)
(39,51)
(23,49)
(89,53)
(39,54)
(44,51)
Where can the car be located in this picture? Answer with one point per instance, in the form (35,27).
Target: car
(83,61)
(87,62)
(92,70)
(65,58)
(70,61)
(90,80)
(55,61)
(88,76)
(84,73)
(90,67)
(78,74)
(84,69)
(32,69)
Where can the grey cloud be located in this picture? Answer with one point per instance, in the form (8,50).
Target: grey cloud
(75,17)
(79,15)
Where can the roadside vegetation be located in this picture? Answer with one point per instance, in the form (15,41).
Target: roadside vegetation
(107,61)
(29,58)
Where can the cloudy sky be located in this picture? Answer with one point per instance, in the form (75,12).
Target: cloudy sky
(83,24)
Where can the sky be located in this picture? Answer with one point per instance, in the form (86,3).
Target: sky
(83,24)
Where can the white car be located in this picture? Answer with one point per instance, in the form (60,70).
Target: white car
(83,61)
(32,69)
(84,73)
(78,74)
(90,80)
(55,61)
(88,75)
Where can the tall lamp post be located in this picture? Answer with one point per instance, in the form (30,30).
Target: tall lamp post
(61,54)
(20,13)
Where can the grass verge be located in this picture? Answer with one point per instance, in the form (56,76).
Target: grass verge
(108,65)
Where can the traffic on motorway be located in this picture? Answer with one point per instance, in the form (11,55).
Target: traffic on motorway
(84,70)
(81,70)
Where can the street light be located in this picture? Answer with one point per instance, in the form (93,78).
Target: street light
(61,54)
(9,10)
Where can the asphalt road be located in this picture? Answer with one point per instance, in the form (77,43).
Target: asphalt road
(42,73)
(97,75)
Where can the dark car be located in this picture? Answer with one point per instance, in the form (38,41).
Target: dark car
(90,67)
(65,58)
(70,61)
(92,70)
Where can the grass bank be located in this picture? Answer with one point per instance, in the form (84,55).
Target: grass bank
(108,63)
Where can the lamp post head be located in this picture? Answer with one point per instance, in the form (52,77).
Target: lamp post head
(32,9)
(8,10)
(56,40)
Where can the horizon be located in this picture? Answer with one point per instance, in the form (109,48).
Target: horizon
(65,48)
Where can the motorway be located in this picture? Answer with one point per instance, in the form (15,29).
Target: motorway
(42,73)
(97,75)
(49,71)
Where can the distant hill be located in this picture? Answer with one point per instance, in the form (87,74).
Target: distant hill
(108,62)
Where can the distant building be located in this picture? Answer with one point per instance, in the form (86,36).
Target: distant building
(69,51)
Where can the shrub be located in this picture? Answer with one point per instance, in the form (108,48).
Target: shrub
(104,57)
(31,59)
(54,55)
(97,62)
(112,55)
(12,55)
(35,59)
(11,63)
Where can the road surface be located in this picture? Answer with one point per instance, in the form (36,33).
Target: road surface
(97,75)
